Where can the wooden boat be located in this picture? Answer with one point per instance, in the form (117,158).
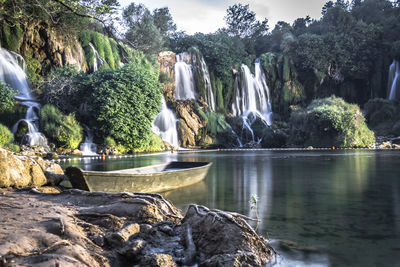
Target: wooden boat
(151,179)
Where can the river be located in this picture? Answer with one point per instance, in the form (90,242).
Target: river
(318,208)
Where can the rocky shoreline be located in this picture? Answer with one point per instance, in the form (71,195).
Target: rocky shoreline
(49,226)
(53,226)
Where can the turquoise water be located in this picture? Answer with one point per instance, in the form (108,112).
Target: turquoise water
(318,208)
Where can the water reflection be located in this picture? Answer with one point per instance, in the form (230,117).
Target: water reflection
(332,208)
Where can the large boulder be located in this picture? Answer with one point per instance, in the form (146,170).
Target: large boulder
(330,122)
(22,171)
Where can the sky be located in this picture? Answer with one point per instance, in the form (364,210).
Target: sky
(208,15)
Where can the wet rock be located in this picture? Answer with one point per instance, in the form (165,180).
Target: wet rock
(186,136)
(98,239)
(158,259)
(186,111)
(118,239)
(132,249)
(76,152)
(220,233)
(385,145)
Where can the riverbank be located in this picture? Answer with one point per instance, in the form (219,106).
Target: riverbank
(51,226)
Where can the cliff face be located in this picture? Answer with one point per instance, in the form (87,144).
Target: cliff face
(166,63)
(43,48)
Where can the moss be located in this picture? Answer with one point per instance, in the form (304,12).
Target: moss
(107,48)
(6,136)
(220,98)
(286,69)
(11,36)
(33,69)
(330,121)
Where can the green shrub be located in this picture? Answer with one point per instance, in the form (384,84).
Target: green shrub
(6,136)
(330,122)
(11,36)
(123,104)
(382,115)
(64,130)
(7,101)
(110,142)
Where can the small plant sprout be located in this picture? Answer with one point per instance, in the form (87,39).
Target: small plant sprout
(253,206)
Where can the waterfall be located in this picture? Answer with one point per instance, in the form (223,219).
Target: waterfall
(98,60)
(164,125)
(209,97)
(88,148)
(252,98)
(184,79)
(393,81)
(14,75)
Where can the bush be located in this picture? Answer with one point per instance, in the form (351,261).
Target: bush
(382,115)
(123,104)
(330,122)
(7,101)
(62,129)
(6,136)
(62,90)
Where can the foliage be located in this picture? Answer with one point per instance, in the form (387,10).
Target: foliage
(123,104)
(147,32)
(242,22)
(6,136)
(61,89)
(382,115)
(67,15)
(7,101)
(11,35)
(64,130)
(110,142)
(330,122)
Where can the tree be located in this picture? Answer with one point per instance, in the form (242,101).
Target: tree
(123,104)
(148,32)
(242,22)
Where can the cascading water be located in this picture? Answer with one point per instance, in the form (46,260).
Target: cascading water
(184,79)
(209,97)
(98,60)
(252,98)
(14,75)
(88,148)
(394,80)
(164,125)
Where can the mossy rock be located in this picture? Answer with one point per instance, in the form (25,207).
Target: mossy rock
(330,122)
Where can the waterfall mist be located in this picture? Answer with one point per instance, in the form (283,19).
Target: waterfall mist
(12,72)
(394,80)
(164,125)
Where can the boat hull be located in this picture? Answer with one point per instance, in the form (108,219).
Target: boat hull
(158,178)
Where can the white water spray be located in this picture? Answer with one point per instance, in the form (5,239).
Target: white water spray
(98,60)
(252,98)
(209,97)
(88,148)
(164,125)
(12,72)
(184,79)
(394,80)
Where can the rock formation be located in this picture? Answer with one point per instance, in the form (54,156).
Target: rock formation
(78,228)
(22,171)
